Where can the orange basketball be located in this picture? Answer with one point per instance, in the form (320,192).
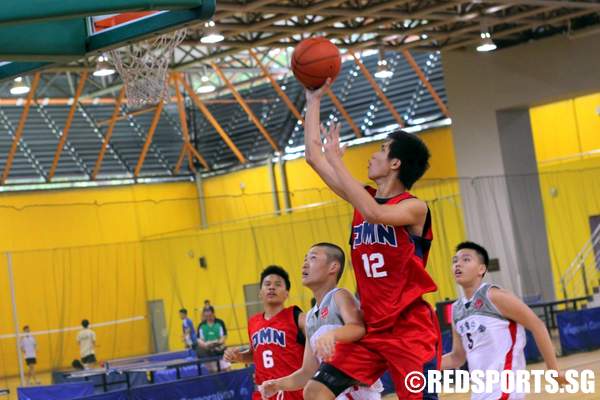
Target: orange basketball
(314,60)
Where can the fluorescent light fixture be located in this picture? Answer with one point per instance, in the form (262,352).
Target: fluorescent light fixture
(487,44)
(19,87)
(103,68)
(212,34)
(383,71)
(206,88)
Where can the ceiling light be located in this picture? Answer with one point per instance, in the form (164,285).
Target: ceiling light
(103,68)
(212,34)
(486,44)
(383,71)
(206,86)
(19,87)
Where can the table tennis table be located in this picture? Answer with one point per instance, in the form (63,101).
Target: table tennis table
(126,368)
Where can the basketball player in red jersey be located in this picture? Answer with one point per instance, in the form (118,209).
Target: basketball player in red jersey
(276,335)
(390,240)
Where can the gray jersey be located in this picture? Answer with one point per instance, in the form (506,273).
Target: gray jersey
(324,317)
(491,341)
(479,304)
(324,314)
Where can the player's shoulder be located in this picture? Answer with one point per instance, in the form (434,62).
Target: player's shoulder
(342,294)
(496,293)
(414,203)
(256,322)
(220,322)
(292,310)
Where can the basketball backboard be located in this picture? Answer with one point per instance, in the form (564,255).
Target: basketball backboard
(88,27)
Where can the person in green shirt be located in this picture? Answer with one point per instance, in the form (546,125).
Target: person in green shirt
(212,335)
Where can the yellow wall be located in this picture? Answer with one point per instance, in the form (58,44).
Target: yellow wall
(76,254)
(567,145)
(58,288)
(81,217)
(566,130)
(238,195)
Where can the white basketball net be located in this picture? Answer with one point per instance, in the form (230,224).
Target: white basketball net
(143,67)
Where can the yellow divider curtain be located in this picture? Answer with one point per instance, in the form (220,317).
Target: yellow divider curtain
(56,289)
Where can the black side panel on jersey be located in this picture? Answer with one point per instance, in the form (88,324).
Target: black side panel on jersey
(300,338)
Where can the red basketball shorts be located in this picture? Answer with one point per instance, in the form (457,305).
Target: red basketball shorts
(412,344)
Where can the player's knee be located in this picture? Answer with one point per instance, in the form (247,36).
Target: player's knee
(317,391)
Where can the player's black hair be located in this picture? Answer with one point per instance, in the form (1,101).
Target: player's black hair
(413,155)
(334,253)
(85,323)
(276,270)
(25,327)
(183,311)
(480,250)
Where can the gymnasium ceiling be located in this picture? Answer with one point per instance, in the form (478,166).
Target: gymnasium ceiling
(402,29)
(421,25)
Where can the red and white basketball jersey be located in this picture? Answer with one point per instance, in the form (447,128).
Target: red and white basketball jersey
(277,346)
(389,264)
(491,341)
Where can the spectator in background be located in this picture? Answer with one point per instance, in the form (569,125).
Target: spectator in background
(209,307)
(29,348)
(189,334)
(204,307)
(211,336)
(87,344)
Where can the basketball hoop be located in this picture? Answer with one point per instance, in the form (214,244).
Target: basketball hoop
(143,67)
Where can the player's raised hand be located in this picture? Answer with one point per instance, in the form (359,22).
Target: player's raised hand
(269,388)
(233,355)
(325,346)
(317,94)
(331,146)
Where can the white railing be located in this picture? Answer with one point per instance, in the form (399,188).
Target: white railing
(576,278)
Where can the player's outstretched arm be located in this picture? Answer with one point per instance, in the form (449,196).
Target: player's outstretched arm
(312,139)
(406,213)
(513,308)
(295,381)
(457,357)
